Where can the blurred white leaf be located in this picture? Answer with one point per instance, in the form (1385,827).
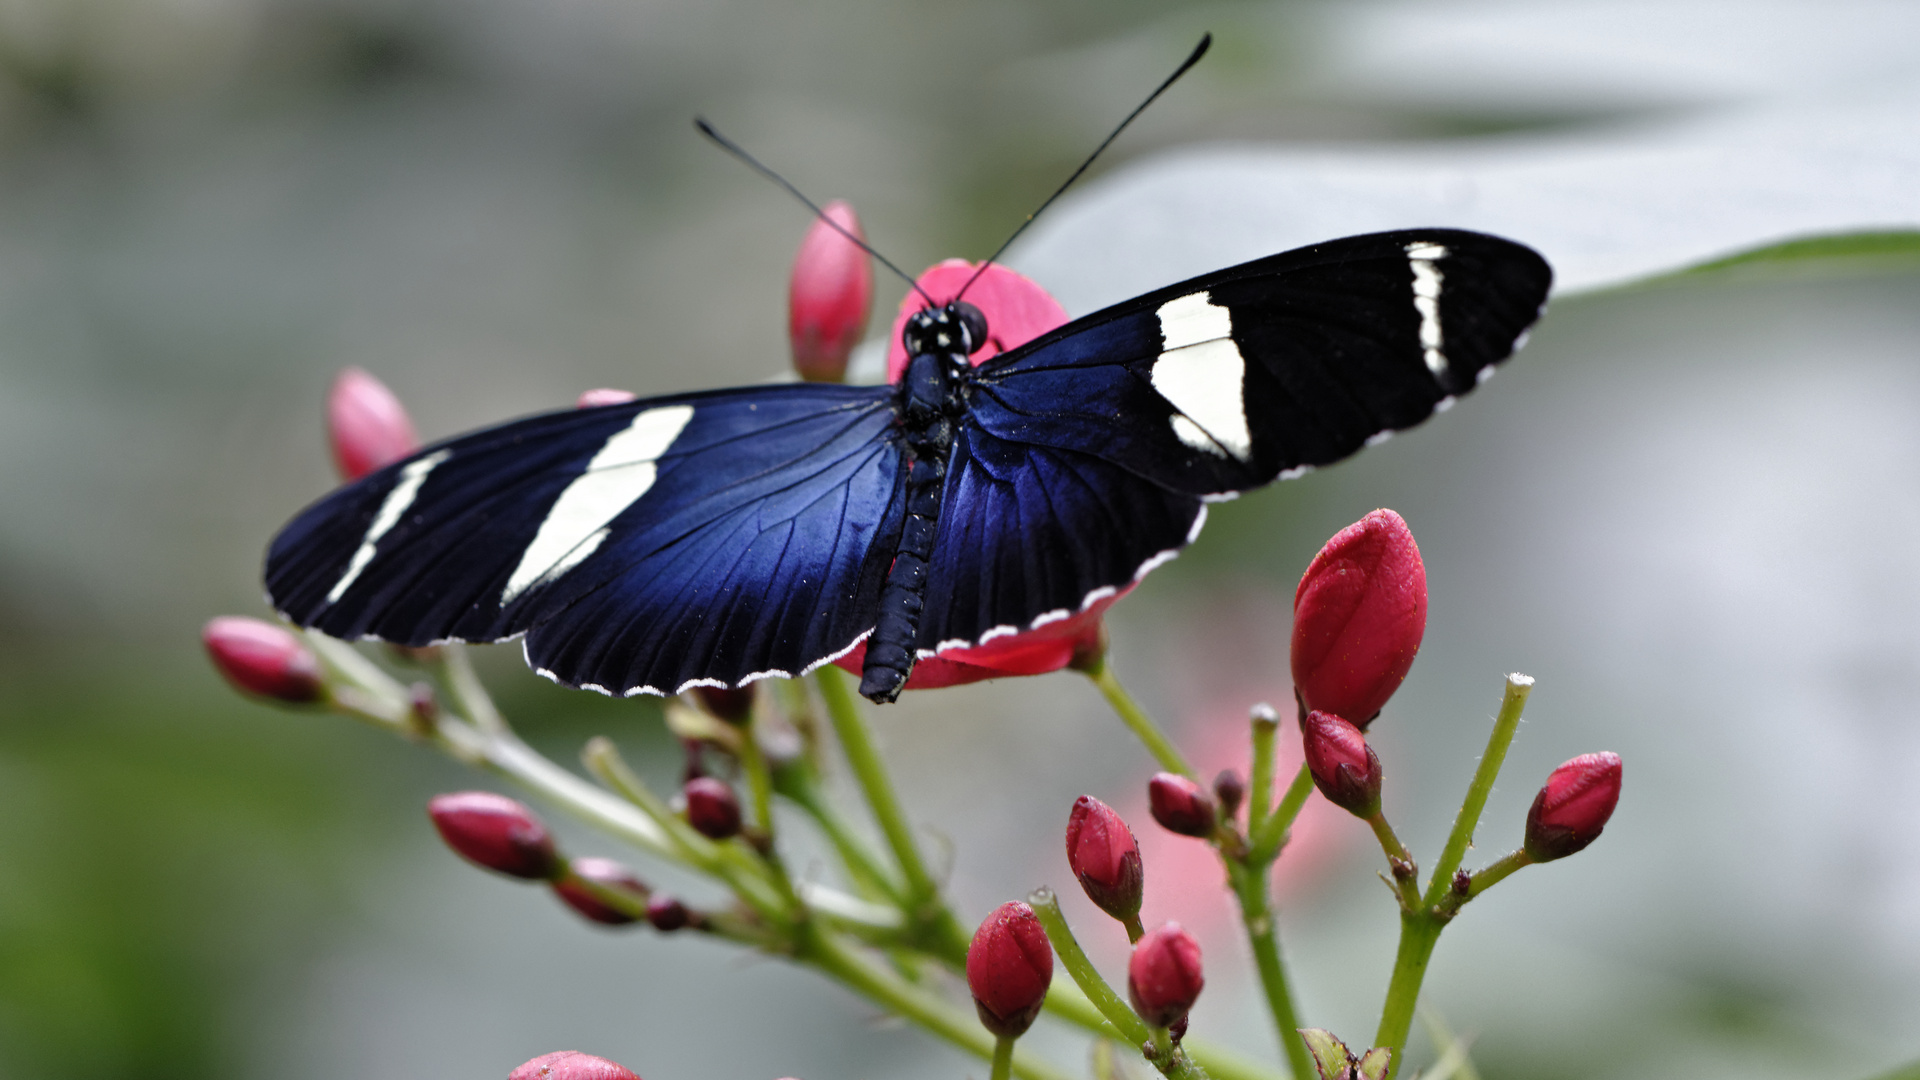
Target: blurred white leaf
(1831,147)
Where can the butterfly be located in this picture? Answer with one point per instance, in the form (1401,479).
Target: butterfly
(719,538)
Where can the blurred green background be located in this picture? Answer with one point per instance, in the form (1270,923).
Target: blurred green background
(1690,511)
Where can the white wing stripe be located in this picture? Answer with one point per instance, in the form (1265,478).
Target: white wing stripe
(392,509)
(615,479)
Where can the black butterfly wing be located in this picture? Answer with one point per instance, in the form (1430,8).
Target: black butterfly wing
(1088,452)
(1227,381)
(640,547)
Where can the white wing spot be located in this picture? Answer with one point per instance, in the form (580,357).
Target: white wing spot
(615,479)
(1202,374)
(392,509)
(1424,257)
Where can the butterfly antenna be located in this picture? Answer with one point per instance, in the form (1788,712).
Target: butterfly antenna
(733,148)
(1200,50)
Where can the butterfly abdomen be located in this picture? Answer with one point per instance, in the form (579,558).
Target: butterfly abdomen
(930,403)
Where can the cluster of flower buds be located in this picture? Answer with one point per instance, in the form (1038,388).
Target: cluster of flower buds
(571,1065)
(499,834)
(1359,615)
(1163,974)
(1009,967)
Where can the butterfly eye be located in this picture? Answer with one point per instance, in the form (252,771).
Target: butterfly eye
(973,322)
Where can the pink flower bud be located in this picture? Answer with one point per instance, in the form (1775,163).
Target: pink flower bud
(733,706)
(712,808)
(1009,966)
(1180,805)
(1231,790)
(571,1065)
(367,425)
(1344,767)
(1164,978)
(495,832)
(667,914)
(1358,616)
(1102,852)
(593,399)
(261,658)
(829,296)
(606,873)
(1573,807)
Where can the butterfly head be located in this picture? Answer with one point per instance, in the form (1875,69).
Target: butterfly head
(958,329)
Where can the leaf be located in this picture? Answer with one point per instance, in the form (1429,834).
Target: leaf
(1330,1057)
(1786,174)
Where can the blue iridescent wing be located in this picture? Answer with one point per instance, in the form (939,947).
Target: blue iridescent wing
(640,547)
(1030,534)
(1087,453)
(1229,381)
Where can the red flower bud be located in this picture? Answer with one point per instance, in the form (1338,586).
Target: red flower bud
(667,914)
(712,808)
(495,832)
(1180,805)
(1344,767)
(591,399)
(366,424)
(1358,616)
(733,706)
(571,1065)
(606,873)
(829,296)
(1573,807)
(1102,852)
(263,659)
(1009,966)
(1230,790)
(1164,976)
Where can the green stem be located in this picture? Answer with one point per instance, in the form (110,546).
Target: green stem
(1488,876)
(1418,934)
(1266,844)
(1399,860)
(871,774)
(1420,926)
(1249,879)
(1137,720)
(1065,1001)
(748,878)
(759,778)
(911,1003)
(1002,1058)
(456,665)
(1132,1029)
(1266,726)
(1515,701)
(869,877)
